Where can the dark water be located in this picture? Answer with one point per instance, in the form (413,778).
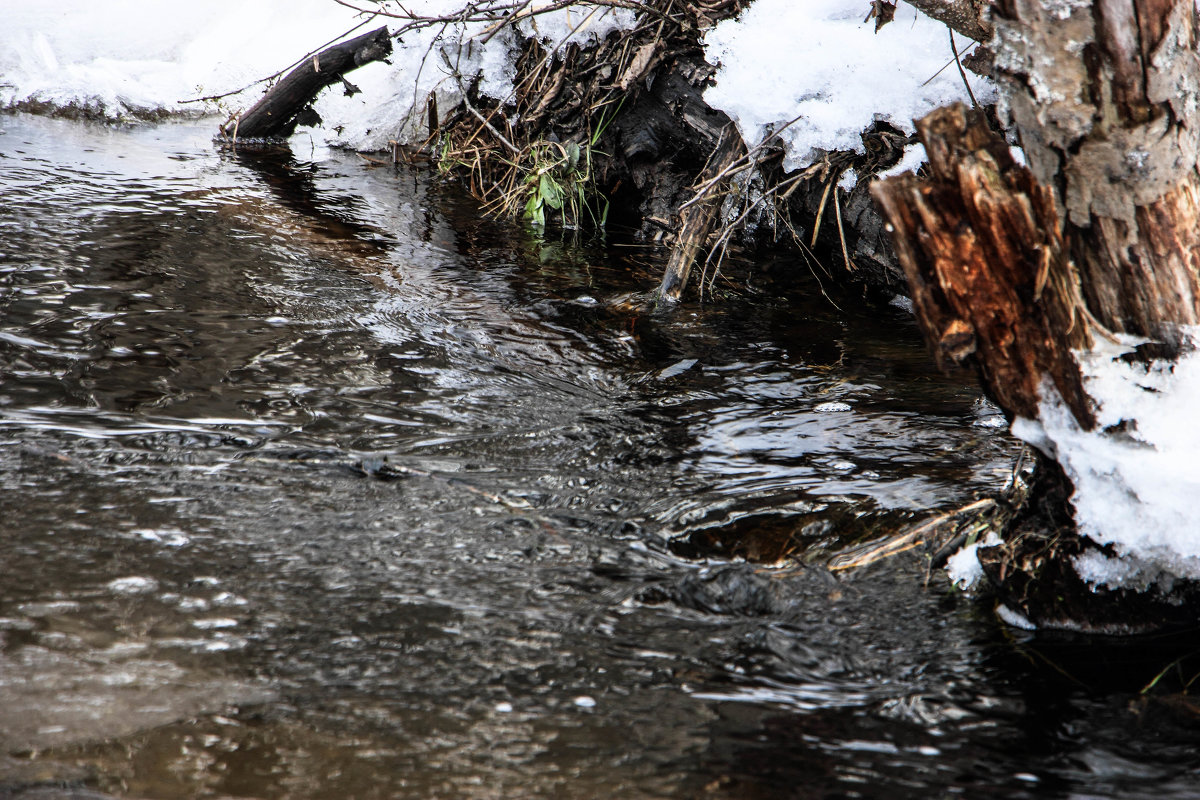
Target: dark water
(317,485)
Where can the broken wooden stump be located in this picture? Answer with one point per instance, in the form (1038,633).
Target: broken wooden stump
(277,113)
(991,280)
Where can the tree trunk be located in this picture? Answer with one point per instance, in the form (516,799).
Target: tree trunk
(1105,102)
(1017,266)
(987,267)
(275,114)
(1104,98)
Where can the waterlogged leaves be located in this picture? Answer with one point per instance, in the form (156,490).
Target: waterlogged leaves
(560,179)
(535,210)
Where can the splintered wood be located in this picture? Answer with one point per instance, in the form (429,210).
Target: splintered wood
(991,282)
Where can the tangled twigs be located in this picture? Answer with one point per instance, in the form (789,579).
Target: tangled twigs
(536,150)
(501,12)
(700,214)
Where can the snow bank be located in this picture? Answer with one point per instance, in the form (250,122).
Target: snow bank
(1136,483)
(119,58)
(122,58)
(819,61)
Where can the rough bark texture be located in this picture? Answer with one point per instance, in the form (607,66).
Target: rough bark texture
(987,269)
(1104,96)
(275,114)
(968,17)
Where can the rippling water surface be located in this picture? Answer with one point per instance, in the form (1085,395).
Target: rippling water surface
(317,485)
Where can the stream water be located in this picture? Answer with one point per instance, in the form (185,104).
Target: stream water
(316,484)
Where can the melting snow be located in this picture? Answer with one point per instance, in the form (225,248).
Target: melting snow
(817,59)
(820,61)
(122,57)
(963,567)
(1137,476)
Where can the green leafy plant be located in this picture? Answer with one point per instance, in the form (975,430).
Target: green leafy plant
(560,179)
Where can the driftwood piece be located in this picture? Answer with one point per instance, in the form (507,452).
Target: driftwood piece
(981,246)
(275,114)
(696,221)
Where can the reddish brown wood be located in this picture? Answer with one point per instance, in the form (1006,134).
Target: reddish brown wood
(1102,233)
(982,250)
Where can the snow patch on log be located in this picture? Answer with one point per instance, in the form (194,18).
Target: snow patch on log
(126,59)
(1136,476)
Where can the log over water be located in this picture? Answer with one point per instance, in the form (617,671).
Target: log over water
(276,113)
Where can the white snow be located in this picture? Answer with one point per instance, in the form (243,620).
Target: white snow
(1137,488)
(963,567)
(914,157)
(1014,618)
(820,62)
(815,59)
(121,57)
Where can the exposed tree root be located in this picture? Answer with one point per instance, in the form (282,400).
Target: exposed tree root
(1032,572)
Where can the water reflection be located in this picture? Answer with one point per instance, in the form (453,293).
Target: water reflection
(314,484)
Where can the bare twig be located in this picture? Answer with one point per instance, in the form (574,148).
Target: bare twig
(275,75)
(833,179)
(837,211)
(962,72)
(485,121)
(906,541)
(497,12)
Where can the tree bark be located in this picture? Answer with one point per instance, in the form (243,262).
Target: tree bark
(1105,102)
(1104,98)
(275,114)
(968,17)
(1017,267)
(986,264)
